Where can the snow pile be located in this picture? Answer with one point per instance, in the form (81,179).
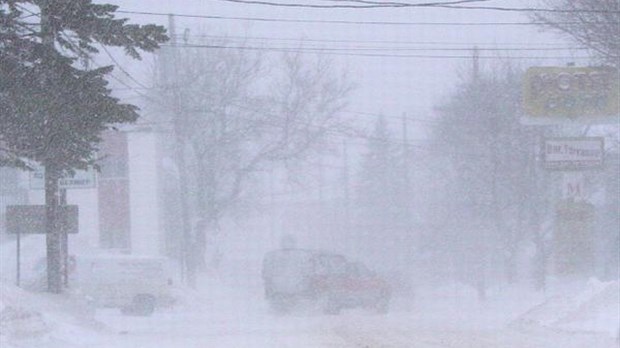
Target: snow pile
(596,308)
(44,320)
(18,318)
(598,312)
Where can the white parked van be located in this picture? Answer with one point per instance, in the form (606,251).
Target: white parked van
(136,284)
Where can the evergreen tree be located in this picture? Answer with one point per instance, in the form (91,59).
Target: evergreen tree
(381,196)
(51,111)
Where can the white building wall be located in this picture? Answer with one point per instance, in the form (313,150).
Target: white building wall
(88,215)
(143,202)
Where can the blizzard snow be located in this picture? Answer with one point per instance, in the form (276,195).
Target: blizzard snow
(220,313)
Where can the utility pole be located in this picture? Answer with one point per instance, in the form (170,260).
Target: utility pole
(321,206)
(345,187)
(406,179)
(481,267)
(409,241)
(188,250)
(52,174)
(272,208)
(476,64)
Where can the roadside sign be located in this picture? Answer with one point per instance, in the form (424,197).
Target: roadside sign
(573,154)
(82,179)
(573,238)
(571,93)
(31,219)
(573,187)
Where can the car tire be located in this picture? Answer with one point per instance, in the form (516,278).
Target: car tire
(331,306)
(281,305)
(382,305)
(141,305)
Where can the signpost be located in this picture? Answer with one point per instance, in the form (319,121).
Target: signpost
(574,246)
(80,179)
(573,154)
(572,95)
(32,219)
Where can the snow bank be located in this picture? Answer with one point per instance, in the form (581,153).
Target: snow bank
(596,308)
(44,320)
(18,316)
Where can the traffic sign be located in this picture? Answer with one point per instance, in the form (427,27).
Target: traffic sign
(573,154)
(32,219)
(82,179)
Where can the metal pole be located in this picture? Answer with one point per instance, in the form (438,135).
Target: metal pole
(64,240)
(18,259)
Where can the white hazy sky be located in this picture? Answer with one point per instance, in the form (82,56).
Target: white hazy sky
(385,84)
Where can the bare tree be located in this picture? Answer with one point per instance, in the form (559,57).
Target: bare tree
(242,111)
(595,24)
(490,182)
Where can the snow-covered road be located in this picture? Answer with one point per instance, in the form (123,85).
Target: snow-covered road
(226,317)
(349,330)
(231,312)
(230,317)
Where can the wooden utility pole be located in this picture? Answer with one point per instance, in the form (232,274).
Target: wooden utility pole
(188,253)
(476,64)
(481,281)
(345,186)
(406,178)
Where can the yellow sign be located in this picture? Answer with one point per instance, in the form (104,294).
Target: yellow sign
(571,92)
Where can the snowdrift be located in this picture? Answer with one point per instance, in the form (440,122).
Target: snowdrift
(596,308)
(44,320)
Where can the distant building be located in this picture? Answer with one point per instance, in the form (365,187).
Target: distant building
(120,213)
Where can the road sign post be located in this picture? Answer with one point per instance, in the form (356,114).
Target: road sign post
(572,95)
(32,219)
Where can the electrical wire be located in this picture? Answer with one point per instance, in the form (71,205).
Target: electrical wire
(445,5)
(352,52)
(121,68)
(305,40)
(346,22)
(302,43)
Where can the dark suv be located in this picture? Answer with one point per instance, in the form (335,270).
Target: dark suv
(295,275)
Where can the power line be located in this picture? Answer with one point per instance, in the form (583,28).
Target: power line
(301,42)
(351,52)
(445,5)
(359,5)
(412,119)
(405,4)
(347,22)
(122,69)
(328,131)
(432,43)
